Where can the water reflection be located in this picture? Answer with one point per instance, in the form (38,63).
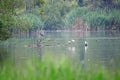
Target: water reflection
(3,54)
(86,47)
(71,49)
(103,49)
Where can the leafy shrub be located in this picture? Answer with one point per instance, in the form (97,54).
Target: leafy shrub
(95,18)
(27,20)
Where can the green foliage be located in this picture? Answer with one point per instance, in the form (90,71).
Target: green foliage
(77,12)
(47,70)
(54,12)
(4,29)
(6,11)
(12,15)
(6,6)
(27,21)
(99,18)
(4,34)
(60,14)
(50,13)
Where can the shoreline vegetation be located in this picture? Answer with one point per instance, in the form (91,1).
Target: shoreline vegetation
(98,19)
(58,15)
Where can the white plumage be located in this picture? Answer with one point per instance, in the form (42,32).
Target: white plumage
(86,43)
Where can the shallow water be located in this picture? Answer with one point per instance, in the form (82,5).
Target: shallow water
(103,48)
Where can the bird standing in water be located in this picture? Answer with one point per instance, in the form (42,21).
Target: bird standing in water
(86,43)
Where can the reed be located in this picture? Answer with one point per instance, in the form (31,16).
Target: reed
(48,69)
(100,18)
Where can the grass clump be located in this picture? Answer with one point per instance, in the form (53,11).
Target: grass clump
(49,70)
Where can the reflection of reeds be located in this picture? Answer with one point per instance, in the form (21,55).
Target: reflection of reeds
(47,70)
(3,54)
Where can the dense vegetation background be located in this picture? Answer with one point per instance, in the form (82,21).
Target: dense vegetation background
(58,15)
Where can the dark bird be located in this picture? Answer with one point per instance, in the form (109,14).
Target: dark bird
(41,34)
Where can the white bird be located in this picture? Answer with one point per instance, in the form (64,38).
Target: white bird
(69,42)
(73,40)
(86,43)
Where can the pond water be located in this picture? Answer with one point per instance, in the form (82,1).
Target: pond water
(103,48)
